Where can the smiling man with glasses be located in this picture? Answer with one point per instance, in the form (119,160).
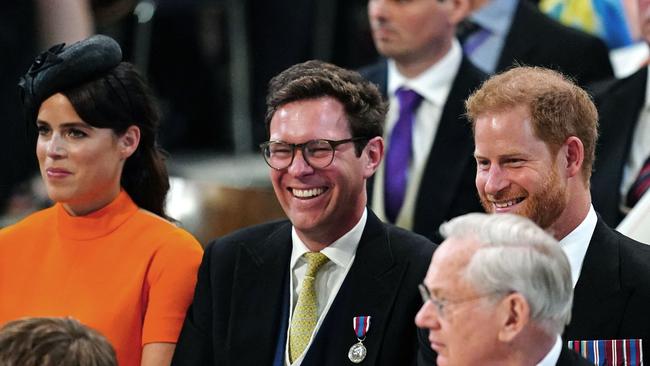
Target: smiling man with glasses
(498,292)
(332,285)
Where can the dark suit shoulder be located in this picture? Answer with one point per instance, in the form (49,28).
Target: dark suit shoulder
(535,39)
(408,243)
(377,73)
(571,358)
(470,72)
(252,233)
(635,262)
(227,246)
(552,27)
(603,89)
(633,257)
(378,68)
(468,78)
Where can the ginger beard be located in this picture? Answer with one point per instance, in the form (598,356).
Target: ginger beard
(543,206)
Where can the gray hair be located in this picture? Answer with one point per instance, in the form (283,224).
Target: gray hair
(516,255)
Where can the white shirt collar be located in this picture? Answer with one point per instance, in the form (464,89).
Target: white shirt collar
(575,244)
(553,355)
(496,16)
(435,82)
(340,252)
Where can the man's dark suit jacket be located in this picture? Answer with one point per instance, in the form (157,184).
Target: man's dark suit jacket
(534,39)
(619,104)
(612,297)
(447,188)
(240,312)
(571,358)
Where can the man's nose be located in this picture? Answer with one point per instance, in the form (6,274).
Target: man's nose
(496,180)
(300,166)
(427,317)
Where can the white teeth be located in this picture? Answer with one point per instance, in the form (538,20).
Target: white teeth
(306,193)
(505,204)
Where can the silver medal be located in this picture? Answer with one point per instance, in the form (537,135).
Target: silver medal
(357,352)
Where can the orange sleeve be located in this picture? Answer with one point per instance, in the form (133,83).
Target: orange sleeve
(171,280)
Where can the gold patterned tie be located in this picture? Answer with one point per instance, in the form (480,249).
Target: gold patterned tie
(305,315)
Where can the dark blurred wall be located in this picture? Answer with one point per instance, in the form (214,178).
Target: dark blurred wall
(17,142)
(282,33)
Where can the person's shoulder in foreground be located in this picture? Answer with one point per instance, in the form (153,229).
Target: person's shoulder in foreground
(53,342)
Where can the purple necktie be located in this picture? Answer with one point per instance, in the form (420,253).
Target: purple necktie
(475,40)
(471,35)
(640,185)
(398,156)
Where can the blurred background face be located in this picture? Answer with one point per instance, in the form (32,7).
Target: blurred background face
(81,165)
(644,19)
(411,30)
(319,202)
(516,171)
(453,334)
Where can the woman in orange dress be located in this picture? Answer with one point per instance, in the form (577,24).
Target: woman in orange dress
(105,252)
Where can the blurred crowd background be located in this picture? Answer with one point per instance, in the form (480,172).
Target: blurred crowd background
(209,62)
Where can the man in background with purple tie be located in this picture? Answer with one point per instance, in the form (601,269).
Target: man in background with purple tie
(535,133)
(428,173)
(501,33)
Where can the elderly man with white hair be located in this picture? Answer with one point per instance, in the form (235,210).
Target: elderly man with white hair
(498,292)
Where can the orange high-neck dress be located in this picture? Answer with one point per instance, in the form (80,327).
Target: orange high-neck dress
(120,270)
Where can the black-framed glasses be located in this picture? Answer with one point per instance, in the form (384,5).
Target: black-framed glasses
(317,153)
(442,304)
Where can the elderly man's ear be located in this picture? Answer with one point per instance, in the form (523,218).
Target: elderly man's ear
(514,314)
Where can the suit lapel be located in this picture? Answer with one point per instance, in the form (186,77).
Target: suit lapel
(452,150)
(570,358)
(521,37)
(564,359)
(258,296)
(369,288)
(599,300)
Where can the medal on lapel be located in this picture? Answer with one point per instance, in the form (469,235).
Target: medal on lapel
(357,352)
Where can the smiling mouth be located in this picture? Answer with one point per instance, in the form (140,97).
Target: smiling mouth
(508,203)
(307,193)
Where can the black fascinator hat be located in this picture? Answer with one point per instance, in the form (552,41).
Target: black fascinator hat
(63,67)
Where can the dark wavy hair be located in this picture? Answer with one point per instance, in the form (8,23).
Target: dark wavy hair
(119,99)
(313,79)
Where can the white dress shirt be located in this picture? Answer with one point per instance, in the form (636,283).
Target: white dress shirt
(433,85)
(329,279)
(575,244)
(640,149)
(636,224)
(495,16)
(553,355)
